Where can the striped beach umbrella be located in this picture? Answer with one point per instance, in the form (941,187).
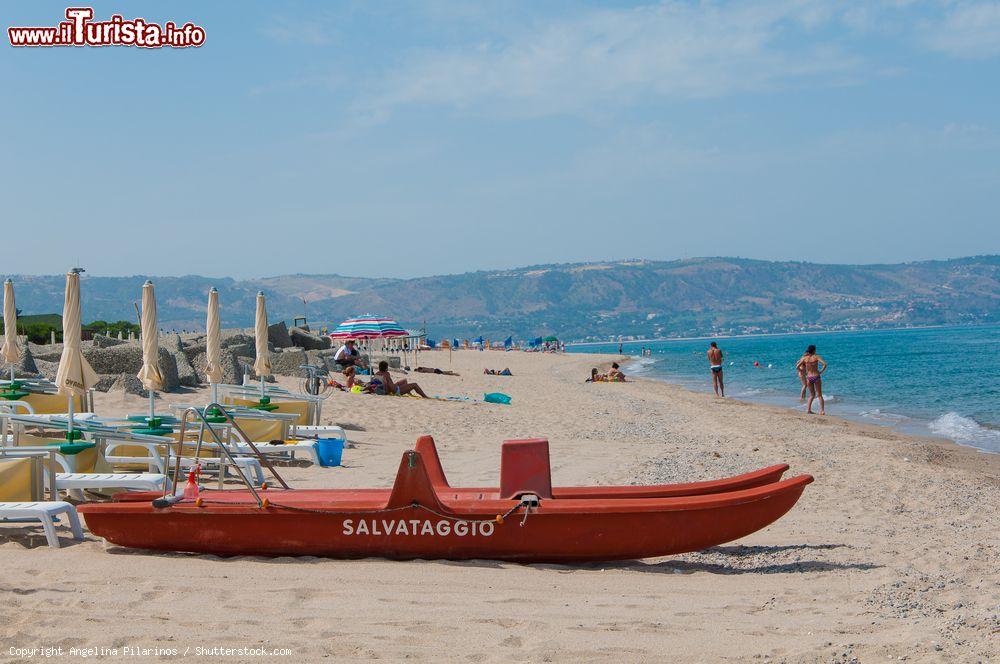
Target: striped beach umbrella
(368,327)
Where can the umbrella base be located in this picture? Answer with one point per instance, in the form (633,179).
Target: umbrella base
(265,404)
(215,416)
(154,427)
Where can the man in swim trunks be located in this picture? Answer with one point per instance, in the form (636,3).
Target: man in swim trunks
(398,387)
(814,366)
(715,364)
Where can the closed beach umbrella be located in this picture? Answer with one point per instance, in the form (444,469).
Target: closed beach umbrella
(262,365)
(11,349)
(75,375)
(150,374)
(213,350)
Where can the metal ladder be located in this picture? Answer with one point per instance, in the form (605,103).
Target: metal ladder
(205,425)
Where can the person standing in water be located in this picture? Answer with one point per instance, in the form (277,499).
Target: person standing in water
(715,364)
(814,366)
(801,371)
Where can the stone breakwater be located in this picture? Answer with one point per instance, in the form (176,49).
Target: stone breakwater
(182,358)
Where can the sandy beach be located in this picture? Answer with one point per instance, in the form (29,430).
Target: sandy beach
(892,554)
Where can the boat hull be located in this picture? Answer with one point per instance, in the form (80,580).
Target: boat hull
(408,527)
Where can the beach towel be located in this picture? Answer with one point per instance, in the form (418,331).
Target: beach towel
(496,397)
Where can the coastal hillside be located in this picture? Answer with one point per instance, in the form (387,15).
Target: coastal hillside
(580,301)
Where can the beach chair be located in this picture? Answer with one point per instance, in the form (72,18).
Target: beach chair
(294,448)
(155,461)
(11,408)
(20,493)
(47,512)
(75,483)
(93,473)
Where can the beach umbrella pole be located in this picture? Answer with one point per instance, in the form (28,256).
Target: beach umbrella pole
(69,426)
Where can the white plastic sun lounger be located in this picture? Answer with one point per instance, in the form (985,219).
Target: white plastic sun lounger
(46,512)
(155,461)
(78,482)
(294,448)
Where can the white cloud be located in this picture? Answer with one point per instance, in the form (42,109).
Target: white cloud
(968,30)
(615,57)
(315,32)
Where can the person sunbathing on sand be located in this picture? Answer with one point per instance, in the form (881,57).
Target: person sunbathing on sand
(495,372)
(596,377)
(435,371)
(814,366)
(615,375)
(388,386)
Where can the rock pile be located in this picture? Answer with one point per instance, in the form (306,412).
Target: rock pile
(278,335)
(303,339)
(182,358)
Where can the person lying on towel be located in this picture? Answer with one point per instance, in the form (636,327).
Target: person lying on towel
(436,371)
(497,372)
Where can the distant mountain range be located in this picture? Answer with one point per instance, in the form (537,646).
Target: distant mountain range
(637,298)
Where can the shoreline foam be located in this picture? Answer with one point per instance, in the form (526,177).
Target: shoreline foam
(951,426)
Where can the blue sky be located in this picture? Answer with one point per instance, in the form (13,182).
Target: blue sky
(406,139)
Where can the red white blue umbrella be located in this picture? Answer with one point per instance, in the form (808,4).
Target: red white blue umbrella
(368,327)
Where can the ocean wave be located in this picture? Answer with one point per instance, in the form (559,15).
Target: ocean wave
(966,431)
(639,365)
(877,414)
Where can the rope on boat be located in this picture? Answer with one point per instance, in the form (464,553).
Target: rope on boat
(499,518)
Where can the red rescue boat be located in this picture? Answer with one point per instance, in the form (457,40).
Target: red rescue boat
(525,521)
(428,450)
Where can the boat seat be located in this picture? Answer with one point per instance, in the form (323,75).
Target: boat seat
(524,468)
(426,448)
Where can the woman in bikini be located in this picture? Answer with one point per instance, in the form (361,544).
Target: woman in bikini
(814,366)
(384,384)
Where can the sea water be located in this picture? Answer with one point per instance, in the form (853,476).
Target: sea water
(932,381)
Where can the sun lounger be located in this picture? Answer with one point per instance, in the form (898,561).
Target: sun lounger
(295,448)
(46,512)
(76,483)
(155,461)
